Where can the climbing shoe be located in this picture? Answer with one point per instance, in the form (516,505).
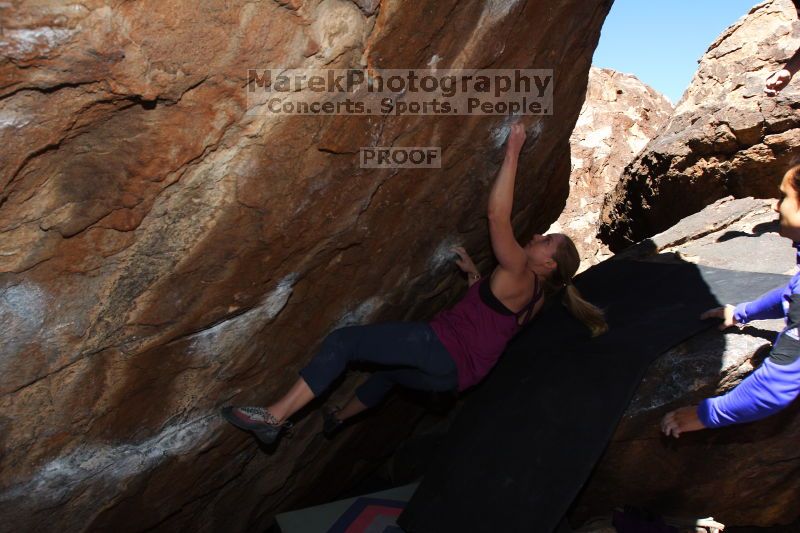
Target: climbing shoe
(330,423)
(258,420)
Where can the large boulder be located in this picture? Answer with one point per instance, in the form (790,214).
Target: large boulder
(741,475)
(726,136)
(166,252)
(619,117)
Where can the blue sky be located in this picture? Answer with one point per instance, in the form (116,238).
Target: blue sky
(660,41)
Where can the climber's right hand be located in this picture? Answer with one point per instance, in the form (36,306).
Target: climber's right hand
(516,138)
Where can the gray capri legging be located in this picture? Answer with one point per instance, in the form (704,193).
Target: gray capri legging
(421,359)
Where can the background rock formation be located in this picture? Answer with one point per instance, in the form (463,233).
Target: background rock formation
(725,137)
(164,253)
(618,118)
(741,475)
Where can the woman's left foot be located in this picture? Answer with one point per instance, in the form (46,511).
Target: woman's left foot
(256,419)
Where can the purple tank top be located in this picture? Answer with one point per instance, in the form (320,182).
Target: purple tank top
(475,332)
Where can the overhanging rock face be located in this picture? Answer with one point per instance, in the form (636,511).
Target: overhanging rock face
(164,253)
(726,137)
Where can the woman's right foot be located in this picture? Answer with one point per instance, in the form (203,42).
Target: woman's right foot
(261,422)
(330,423)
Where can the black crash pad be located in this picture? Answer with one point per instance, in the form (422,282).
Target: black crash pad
(527,439)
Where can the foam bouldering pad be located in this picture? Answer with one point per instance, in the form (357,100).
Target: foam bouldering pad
(527,438)
(370,513)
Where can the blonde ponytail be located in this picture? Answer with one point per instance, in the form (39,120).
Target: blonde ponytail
(567,261)
(588,313)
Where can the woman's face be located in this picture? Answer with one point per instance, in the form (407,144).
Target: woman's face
(541,249)
(788,209)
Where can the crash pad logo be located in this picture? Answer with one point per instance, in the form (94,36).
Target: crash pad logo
(400,92)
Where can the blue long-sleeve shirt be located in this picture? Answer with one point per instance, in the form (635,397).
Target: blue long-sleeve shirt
(776,383)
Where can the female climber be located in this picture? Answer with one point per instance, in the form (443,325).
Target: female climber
(459,346)
(776,382)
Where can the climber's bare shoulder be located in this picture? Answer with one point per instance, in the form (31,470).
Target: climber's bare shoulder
(513,289)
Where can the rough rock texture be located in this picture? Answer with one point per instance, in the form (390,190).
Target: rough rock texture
(620,115)
(741,475)
(165,253)
(725,137)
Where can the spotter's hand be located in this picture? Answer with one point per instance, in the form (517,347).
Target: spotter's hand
(680,421)
(725,313)
(777,81)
